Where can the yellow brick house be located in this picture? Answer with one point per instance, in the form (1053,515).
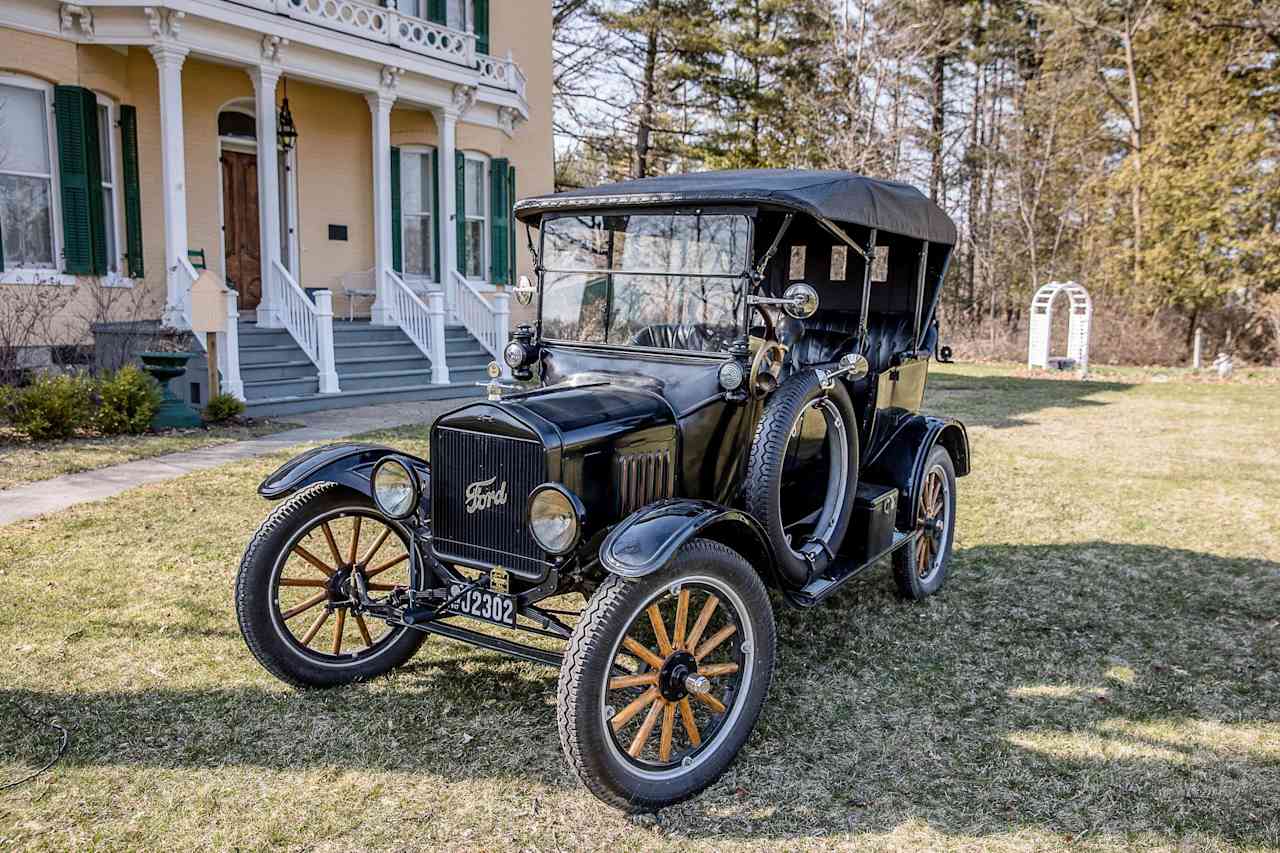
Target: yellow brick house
(369,252)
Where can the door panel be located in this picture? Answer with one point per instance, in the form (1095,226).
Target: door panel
(241,244)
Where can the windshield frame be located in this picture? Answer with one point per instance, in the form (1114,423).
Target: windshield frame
(746,276)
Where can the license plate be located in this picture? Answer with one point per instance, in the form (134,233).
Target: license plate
(482,604)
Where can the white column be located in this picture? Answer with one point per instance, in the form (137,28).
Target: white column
(380,103)
(327,372)
(447,124)
(229,352)
(265,78)
(439,355)
(501,326)
(173,167)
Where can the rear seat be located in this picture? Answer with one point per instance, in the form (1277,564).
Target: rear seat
(823,338)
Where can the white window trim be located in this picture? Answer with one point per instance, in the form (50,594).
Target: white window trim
(485,248)
(38,275)
(119,278)
(434,278)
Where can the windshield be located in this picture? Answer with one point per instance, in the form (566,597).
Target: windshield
(674,281)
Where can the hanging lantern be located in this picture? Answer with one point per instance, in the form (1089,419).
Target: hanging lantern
(286,130)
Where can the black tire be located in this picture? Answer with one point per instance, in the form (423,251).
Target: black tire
(258,589)
(584,714)
(762,491)
(917,578)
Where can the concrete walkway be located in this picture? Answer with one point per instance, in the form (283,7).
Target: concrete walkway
(33,499)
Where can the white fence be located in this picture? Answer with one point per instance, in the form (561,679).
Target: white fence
(310,324)
(422,321)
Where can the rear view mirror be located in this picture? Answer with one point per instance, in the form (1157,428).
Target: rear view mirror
(525,291)
(800,301)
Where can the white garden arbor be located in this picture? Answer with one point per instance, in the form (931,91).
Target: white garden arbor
(1081,319)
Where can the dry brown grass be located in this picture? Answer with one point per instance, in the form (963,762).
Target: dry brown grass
(1101,672)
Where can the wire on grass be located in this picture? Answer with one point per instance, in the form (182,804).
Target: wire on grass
(62,746)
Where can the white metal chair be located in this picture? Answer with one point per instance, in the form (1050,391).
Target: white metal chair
(355,285)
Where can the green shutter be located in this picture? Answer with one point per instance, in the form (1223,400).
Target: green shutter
(511,230)
(499,222)
(460,217)
(435,213)
(482,25)
(436,11)
(83,229)
(397,238)
(132,190)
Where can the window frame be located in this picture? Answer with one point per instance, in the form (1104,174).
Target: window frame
(54,274)
(487,204)
(421,151)
(115,168)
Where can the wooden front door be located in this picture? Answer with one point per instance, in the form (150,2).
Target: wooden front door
(240,236)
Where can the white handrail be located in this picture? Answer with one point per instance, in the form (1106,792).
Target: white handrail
(486,321)
(310,324)
(423,323)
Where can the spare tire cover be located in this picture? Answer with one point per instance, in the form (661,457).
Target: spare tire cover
(803,472)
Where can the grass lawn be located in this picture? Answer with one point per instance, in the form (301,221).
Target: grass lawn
(24,461)
(1102,671)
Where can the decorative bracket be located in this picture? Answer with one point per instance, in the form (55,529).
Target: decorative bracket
(508,118)
(390,78)
(72,13)
(464,97)
(165,23)
(271,47)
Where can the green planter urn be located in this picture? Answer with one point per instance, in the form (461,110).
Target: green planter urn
(174,413)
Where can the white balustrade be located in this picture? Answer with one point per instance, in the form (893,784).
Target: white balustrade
(309,323)
(503,73)
(486,321)
(391,26)
(422,322)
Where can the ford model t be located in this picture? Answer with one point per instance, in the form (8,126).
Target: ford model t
(719,397)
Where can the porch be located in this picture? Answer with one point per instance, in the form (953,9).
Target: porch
(369,253)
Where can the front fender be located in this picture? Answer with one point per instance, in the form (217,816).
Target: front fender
(348,464)
(900,461)
(650,536)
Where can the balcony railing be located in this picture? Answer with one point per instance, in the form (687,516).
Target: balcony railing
(371,21)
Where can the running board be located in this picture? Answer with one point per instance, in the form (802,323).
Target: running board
(842,569)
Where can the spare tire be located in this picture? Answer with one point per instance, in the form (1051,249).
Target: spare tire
(803,473)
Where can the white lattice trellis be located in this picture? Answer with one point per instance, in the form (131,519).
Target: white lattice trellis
(1077,330)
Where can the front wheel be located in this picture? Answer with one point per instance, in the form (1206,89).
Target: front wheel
(664,678)
(296,594)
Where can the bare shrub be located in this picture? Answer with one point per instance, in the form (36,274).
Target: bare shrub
(28,319)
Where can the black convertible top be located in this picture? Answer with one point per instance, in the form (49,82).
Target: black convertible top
(839,196)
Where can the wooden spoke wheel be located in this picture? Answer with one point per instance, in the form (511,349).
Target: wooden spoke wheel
(664,677)
(318,582)
(680,665)
(921,568)
(299,590)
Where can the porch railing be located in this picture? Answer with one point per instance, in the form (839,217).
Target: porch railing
(229,352)
(310,324)
(487,320)
(422,321)
(369,20)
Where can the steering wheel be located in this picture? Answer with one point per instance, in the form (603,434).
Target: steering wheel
(770,330)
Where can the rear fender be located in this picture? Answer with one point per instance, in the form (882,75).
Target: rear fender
(900,461)
(350,465)
(648,538)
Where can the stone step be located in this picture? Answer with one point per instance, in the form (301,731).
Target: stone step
(404,346)
(297,404)
(384,379)
(271,388)
(270,354)
(354,365)
(277,370)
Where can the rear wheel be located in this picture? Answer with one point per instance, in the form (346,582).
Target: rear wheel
(664,678)
(920,570)
(296,592)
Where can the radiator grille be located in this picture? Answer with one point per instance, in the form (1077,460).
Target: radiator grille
(643,478)
(495,532)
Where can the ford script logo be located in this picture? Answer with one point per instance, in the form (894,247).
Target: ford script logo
(480,496)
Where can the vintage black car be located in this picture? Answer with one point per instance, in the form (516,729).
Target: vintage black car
(720,397)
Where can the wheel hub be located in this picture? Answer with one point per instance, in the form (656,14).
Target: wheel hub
(676,673)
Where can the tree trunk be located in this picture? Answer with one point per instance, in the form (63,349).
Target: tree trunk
(938,77)
(1135,142)
(645,124)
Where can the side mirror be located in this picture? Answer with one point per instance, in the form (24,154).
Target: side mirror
(944,355)
(800,301)
(525,291)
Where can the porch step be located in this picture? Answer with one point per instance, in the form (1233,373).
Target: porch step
(293,405)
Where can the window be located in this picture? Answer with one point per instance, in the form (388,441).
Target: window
(110,180)
(456,12)
(417,212)
(26,176)
(475,216)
